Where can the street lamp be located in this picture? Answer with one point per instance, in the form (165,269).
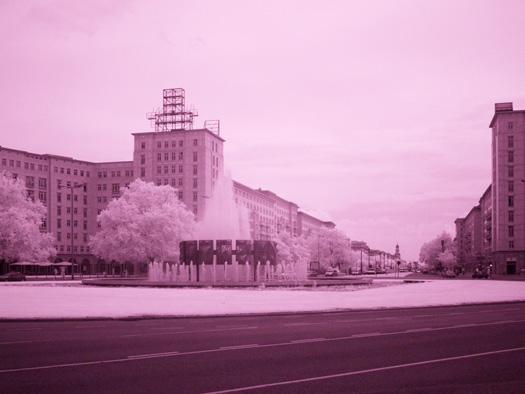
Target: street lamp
(71,187)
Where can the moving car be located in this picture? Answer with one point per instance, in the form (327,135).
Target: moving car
(12,277)
(480,274)
(332,272)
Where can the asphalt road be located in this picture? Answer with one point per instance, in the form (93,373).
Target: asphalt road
(470,349)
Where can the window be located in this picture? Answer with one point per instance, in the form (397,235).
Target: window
(173,144)
(159,156)
(59,237)
(104,187)
(195,208)
(112,174)
(180,195)
(59,197)
(81,172)
(142,172)
(42,196)
(511,216)
(511,231)
(510,125)
(68,223)
(42,183)
(68,171)
(159,144)
(75,172)
(180,169)
(181,155)
(511,186)
(181,182)
(511,172)
(59,210)
(181,143)
(159,170)
(511,201)
(195,142)
(195,196)
(115,188)
(30,181)
(166,144)
(173,169)
(4,163)
(166,156)
(85,237)
(166,169)
(510,156)
(99,186)
(159,182)
(18,163)
(194,170)
(85,212)
(174,182)
(142,159)
(173,155)
(59,223)
(85,224)
(166,181)
(32,166)
(511,244)
(195,183)
(510,141)
(194,156)
(142,145)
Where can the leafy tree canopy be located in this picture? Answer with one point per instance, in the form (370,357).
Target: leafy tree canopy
(145,224)
(331,247)
(20,221)
(438,252)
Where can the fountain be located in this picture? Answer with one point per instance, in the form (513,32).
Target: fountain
(223,252)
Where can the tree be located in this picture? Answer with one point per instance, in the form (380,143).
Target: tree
(146,224)
(331,247)
(20,221)
(430,252)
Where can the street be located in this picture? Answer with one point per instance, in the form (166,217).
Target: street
(467,349)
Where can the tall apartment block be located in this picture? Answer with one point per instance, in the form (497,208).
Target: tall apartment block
(493,233)
(175,154)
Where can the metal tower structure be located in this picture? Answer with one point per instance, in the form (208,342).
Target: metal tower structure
(174,115)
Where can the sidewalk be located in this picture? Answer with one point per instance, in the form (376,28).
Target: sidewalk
(68,300)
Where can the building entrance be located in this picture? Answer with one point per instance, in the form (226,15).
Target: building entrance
(511,267)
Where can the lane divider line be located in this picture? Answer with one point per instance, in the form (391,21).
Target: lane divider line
(364,371)
(170,354)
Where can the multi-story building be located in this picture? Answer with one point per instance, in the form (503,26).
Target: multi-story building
(189,160)
(500,225)
(508,194)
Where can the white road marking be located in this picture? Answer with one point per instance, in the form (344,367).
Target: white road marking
(189,332)
(170,354)
(80,327)
(308,340)
(370,334)
(340,375)
(303,324)
(153,355)
(239,346)
(14,342)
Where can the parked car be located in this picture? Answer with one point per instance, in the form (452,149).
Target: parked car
(12,277)
(449,274)
(332,272)
(480,274)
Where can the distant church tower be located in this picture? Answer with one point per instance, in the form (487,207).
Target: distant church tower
(397,255)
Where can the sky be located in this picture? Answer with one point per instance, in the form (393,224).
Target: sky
(371,114)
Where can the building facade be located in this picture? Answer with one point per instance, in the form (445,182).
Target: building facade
(189,160)
(496,237)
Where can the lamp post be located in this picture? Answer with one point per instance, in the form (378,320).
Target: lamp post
(71,187)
